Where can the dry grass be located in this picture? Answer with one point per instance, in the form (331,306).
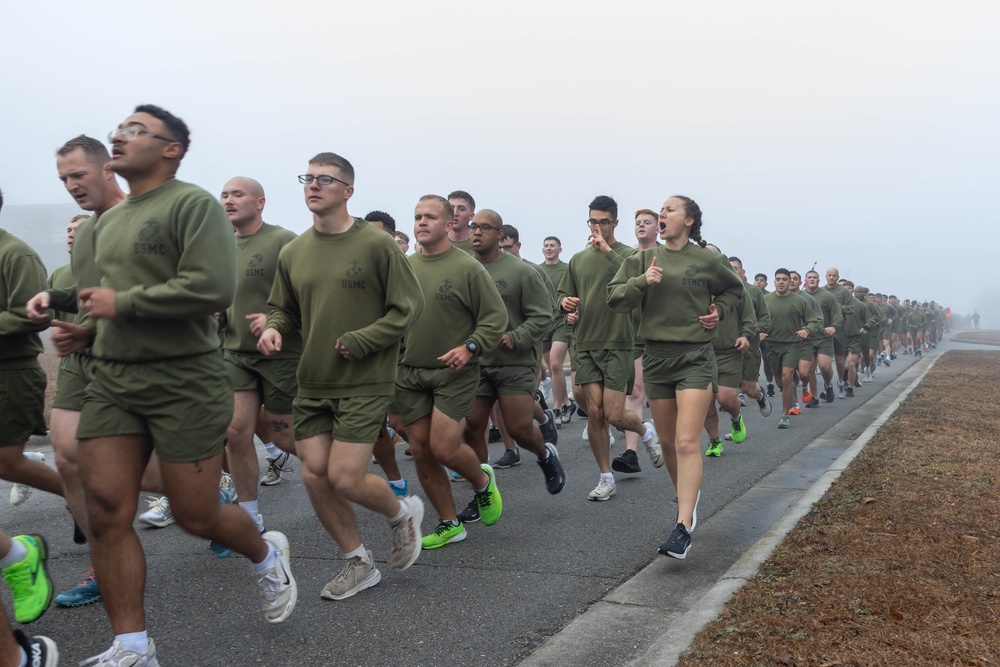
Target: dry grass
(899,563)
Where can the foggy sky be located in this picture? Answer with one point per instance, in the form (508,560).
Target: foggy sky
(862,135)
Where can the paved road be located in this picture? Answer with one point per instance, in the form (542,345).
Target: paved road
(491,600)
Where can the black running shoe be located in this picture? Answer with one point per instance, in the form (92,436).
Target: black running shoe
(849,392)
(41,651)
(548,429)
(541,399)
(580,412)
(495,434)
(770,389)
(470,514)
(627,462)
(678,544)
(568,411)
(814,403)
(555,476)
(829,393)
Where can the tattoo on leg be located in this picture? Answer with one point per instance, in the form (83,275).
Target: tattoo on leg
(278,425)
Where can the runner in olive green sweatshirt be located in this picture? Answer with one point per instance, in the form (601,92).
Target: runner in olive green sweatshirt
(832,325)
(752,356)
(684,290)
(351,292)
(257,381)
(464,317)
(465,207)
(846,302)
(167,263)
(604,341)
(22,380)
(82,165)
(792,321)
(559,337)
(507,373)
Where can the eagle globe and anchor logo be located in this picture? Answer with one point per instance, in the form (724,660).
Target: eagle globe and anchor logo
(255,261)
(353,271)
(145,245)
(444,291)
(691,278)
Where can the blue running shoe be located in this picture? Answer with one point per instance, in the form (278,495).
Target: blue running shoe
(225,498)
(84,593)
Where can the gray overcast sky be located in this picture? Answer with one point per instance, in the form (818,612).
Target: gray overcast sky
(856,134)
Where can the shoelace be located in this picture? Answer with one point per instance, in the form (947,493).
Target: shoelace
(158,504)
(268,582)
(443,528)
(109,654)
(18,580)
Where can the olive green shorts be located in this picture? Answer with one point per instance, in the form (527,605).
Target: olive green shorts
(184,405)
(420,390)
(806,350)
(823,345)
(751,363)
(22,404)
(782,355)
(854,344)
(615,369)
(730,365)
(273,379)
(839,343)
(563,332)
(75,373)
(670,367)
(347,419)
(506,381)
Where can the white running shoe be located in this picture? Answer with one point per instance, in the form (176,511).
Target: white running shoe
(116,656)
(158,515)
(653,446)
(274,469)
(603,491)
(406,535)
(277,585)
(356,576)
(19,492)
(227,484)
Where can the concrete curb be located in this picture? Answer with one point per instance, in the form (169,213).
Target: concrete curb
(667,650)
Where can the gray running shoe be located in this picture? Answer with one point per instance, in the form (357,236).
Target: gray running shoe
(354,578)
(406,534)
(510,458)
(116,656)
(274,469)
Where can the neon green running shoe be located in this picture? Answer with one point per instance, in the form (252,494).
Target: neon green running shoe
(445,533)
(28,580)
(739,429)
(714,447)
(489,501)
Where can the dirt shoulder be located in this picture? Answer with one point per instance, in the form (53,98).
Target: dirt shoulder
(897,564)
(985,337)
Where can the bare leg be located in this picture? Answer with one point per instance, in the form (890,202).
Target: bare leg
(15,468)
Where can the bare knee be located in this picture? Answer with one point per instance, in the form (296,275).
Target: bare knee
(200,522)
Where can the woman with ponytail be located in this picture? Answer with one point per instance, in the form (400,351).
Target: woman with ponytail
(684,290)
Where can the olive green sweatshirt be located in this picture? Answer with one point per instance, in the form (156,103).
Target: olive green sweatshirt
(915,320)
(833,316)
(759,307)
(693,279)
(844,297)
(555,272)
(169,255)
(465,246)
(62,278)
(857,317)
(789,314)
(22,276)
(741,322)
(814,304)
(462,304)
(86,273)
(356,287)
(529,311)
(257,263)
(587,277)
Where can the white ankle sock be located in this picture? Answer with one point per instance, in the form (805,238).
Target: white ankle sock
(399,515)
(268,559)
(272,451)
(134,641)
(360,552)
(17,552)
(250,507)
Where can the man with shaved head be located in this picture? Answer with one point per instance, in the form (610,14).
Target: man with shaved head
(845,299)
(257,381)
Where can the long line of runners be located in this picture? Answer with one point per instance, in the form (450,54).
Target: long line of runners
(180,346)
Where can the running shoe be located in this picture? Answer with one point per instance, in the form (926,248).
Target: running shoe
(456,476)
(878,361)
(568,410)
(814,403)
(406,534)
(225,497)
(445,533)
(274,469)
(829,393)
(770,389)
(548,429)
(495,434)
(489,501)
(510,458)
(653,446)
(401,491)
(29,582)
(580,412)
(794,410)
(559,421)
(807,396)
(714,447)
(784,422)
(19,492)
(728,437)
(546,388)
(605,490)
(555,476)
(739,430)
(84,593)
(743,399)
(158,515)
(117,656)
(540,399)
(887,364)
(227,484)
(678,544)
(471,512)
(627,462)
(763,404)
(842,389)
(41,651)
(849,392)
(356,576)
(278,589)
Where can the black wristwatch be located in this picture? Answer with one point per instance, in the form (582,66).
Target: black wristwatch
(472,346)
